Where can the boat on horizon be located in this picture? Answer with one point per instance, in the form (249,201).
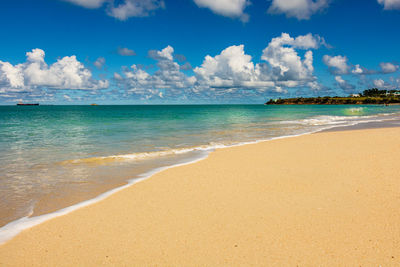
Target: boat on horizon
(27,104)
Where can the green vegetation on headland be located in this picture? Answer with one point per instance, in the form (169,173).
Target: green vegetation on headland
(370,96)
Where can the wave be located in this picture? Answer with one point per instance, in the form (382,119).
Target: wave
(321,120)
(354,111)
(141,155)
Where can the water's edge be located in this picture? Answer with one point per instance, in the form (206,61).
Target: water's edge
(10,230)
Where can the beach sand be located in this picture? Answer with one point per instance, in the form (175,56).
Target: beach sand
(325,199)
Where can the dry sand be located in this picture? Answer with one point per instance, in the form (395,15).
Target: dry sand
(326,199)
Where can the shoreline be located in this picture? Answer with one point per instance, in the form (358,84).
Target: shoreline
(13,228)
(215,159)
(53,179)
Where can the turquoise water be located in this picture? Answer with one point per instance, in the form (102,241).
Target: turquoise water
(54,156)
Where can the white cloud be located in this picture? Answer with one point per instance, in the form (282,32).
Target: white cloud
(357,69)
(164,54)
(387,67)
(134,8)
(87,3)
(231,68)
(391,84)
(37,55)
(117,76)
(307,41)
(300,9)
(123,51)
(379,83)
(65,73)
(390,4)
(283,67)
(11,76)
(168,77)
(124,9)
(99,63)
(360,70)
(337,64)
(231,72)
(343,84)
(315,86)
(284,60)
(228,8)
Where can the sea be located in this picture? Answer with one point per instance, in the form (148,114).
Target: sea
(54,159)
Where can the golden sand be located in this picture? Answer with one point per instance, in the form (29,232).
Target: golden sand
(326,199)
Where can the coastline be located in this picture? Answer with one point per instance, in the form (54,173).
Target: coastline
(13,228)
(46,179)
(185,210)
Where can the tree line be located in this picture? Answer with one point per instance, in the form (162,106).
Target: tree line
(369,96)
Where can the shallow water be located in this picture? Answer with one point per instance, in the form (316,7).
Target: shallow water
(54,156)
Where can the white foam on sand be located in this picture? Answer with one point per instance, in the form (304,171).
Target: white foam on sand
(13,228)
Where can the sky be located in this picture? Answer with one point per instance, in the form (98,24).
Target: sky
(195,51)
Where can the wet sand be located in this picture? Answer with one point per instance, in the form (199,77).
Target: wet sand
(325,199)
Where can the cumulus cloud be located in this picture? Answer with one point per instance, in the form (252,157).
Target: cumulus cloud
(357,69)
(124,51)
(65,73)
(307,41)
(360,70)
(228,8)
(285,62)
(387,67)
(337,64)
(99,63)
(343,84)
(134,8)
(282,66)
(167,80)
(379,83)
(392,83)
(124,9)
(231,68)
(300,9)
(164,54)
(231,72)
(390,4)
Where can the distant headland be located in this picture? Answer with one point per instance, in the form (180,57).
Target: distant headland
(369,96)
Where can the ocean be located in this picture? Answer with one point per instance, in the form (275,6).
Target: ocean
(53,157)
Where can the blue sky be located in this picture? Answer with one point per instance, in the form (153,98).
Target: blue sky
(195,51)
